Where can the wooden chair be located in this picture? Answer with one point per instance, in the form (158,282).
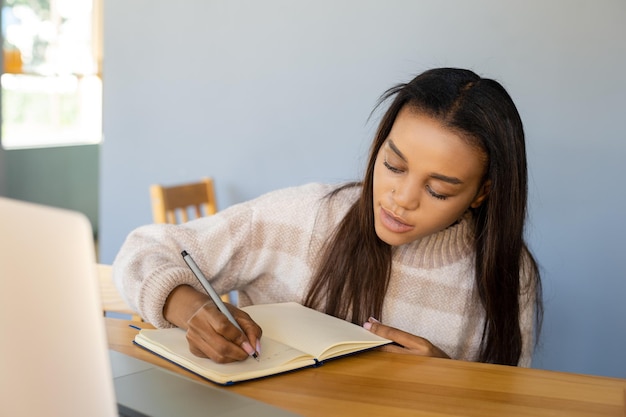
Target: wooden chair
(174,204)
(112,301)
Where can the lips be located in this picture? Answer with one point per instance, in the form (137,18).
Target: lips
(393,223)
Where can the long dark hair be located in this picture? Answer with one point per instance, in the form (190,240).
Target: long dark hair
(354,273)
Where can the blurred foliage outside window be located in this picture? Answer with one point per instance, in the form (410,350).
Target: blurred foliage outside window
(51,84)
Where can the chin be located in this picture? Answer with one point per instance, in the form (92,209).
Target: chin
(392,239)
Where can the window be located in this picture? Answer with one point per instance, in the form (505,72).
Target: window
(51,84)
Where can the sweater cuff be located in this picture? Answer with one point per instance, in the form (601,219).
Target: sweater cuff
(157,287)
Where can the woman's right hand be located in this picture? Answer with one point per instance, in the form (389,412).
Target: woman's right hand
(209,332)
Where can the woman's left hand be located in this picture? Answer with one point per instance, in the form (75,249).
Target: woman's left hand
(405,342)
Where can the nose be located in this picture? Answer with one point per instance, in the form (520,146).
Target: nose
(406,195)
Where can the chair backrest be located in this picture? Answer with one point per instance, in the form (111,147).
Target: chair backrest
(112,301)
(174,204)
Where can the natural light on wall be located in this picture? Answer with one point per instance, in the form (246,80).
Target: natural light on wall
(51,84)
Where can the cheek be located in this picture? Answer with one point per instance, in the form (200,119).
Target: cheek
(378,182)
(451,214)
(382,177)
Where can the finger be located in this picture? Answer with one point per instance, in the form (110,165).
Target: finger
(388,332)
(231,328)
(211,334)
(408,342)
(214,350)
(252,331)
(396,349)
(233,333)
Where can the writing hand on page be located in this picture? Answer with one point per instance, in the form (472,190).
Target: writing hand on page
(405,342)
(209,332)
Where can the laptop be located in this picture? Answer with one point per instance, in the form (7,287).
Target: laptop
(54,357)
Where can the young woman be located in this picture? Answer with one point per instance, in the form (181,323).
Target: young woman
(428,250)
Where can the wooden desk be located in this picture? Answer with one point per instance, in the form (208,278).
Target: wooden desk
(384,384)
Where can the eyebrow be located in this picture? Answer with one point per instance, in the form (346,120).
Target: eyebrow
(441,177)
(395,149)
(445,178)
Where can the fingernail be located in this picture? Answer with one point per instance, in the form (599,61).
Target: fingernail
(248,348)
(258,346)
(367,325)
(373,320)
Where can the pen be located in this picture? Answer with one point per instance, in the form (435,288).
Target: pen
(214,296)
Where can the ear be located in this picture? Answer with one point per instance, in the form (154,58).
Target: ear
(481,195)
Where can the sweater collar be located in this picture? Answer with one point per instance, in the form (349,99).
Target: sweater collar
(439,249)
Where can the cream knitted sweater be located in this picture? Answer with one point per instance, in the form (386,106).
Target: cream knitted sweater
(268,249)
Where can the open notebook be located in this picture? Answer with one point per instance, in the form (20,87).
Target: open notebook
(55,359)
(294,337)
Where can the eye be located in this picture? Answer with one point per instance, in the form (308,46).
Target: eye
(391,167)
(434,194)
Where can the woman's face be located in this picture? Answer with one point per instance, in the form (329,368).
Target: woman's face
(425,178)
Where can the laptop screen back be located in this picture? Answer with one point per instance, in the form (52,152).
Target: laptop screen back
(54,356)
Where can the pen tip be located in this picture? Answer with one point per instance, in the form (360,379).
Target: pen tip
(255,356)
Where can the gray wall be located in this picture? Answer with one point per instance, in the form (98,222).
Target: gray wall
(263,95)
